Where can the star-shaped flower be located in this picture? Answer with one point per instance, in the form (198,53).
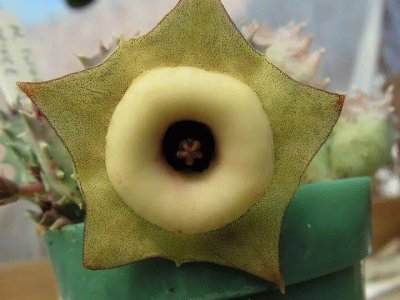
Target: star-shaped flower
(197,34)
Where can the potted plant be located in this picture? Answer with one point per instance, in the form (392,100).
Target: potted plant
(312,247)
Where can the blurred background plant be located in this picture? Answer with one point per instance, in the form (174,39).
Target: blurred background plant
(35,164)
(362,139)
(41,170)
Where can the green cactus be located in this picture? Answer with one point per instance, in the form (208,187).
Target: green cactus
(34,164)
(363,136)
(17,152)
(289,50)
(42,171)
(361,141)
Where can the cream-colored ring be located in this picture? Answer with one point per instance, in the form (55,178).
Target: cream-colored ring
(179,202)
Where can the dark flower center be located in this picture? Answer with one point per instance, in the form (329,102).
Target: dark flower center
(188,146)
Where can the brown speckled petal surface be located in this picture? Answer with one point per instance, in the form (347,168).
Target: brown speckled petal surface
(200,34)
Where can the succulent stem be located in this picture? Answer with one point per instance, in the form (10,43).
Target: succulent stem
(32,189)
(10,191)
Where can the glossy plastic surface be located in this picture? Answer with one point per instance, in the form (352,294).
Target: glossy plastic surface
(326,232)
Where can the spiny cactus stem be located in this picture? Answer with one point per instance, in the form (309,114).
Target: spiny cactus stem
(10,191)
(35,171)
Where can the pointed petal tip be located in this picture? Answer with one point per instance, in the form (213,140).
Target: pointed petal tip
(280,285)
(88,265)
(341,99)
(26,87)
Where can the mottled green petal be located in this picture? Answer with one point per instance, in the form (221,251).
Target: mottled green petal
(196,33)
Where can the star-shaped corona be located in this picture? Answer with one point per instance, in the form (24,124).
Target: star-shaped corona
(217,188)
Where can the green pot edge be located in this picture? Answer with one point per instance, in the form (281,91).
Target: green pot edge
(326,229)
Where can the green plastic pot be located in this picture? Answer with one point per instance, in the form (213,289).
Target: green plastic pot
(325,236)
